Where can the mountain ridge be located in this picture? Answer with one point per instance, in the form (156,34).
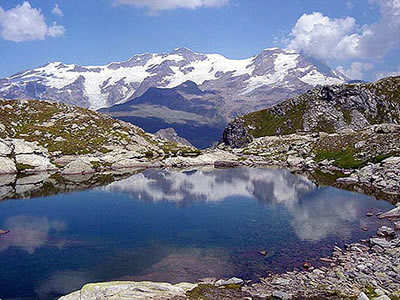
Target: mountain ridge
(117,82)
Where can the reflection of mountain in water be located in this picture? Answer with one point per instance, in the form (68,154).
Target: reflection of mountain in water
(316,212)
(266,185)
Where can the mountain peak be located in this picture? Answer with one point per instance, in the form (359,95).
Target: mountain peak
(183,50)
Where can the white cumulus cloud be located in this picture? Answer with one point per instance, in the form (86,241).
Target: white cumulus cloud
(325,38)
(158,5)
(342,38)
(24,23)
(356,70)
(57,11)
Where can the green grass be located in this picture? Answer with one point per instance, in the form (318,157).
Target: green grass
(342,159)
(381,157)
(347,115)
(23,167)
(326,178)
(266,123)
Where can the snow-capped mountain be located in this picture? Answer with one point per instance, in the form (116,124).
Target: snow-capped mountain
(246,85)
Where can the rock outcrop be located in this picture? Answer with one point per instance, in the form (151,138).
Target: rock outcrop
(330,109)
(119,290)
(236,134)
(43,135)
(20,155)
(171,135)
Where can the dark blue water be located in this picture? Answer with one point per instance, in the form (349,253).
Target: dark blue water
(175,226)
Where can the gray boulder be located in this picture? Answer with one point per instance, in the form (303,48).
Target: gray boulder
(78,166)
(5,150)
(130,290)
(35,162)
(7,166)
(232,280)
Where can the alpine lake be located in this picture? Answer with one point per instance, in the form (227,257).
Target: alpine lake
(169,225)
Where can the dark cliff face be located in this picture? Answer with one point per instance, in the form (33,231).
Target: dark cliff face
(236,134)
(328,109)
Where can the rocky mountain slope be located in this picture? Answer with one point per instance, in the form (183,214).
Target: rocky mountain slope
(247,84)
(328,109)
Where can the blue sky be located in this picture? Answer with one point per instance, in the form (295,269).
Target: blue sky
(343,33)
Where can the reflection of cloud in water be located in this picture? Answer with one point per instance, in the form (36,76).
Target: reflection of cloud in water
(323,214)
(316,214)
(61,283)
(29,233)
(267,185)
(188,265)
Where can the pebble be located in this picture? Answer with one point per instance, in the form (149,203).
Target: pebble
(379,292)
(263,252)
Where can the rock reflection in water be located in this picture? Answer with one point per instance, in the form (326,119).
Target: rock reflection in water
(45,184)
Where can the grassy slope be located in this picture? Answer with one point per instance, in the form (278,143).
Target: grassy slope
(69,129)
